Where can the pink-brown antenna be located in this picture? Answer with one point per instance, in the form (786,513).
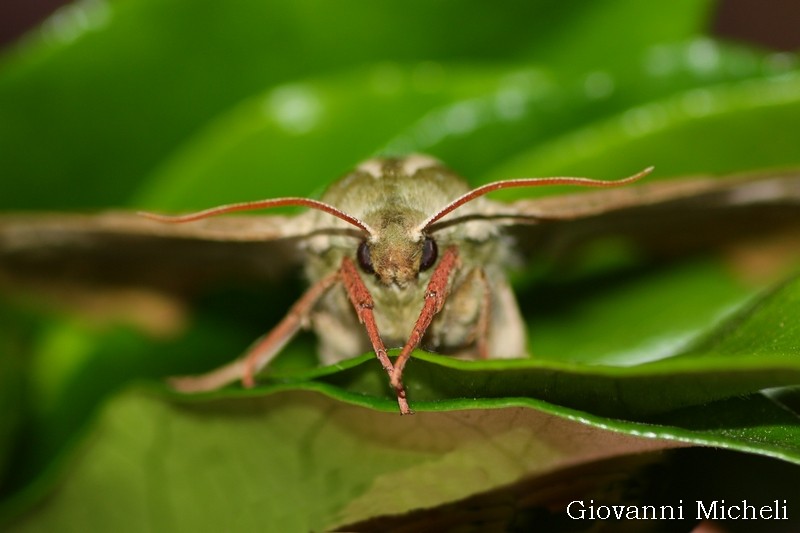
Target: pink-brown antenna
(260,204)
(526,182)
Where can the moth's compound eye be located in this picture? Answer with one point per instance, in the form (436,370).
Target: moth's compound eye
(429,254)
(364,258)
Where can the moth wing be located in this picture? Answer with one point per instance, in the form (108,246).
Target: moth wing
(124,249)
(774,188)
(665,218)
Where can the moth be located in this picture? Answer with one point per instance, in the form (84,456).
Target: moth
(399,253)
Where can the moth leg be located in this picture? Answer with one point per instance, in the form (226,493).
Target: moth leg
(506,337)
(264,350)
(362,301)
(435,296)
(484,315)
(464,325)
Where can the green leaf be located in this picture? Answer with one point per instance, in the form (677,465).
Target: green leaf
(489,134)
(298,461)
(474,118)
(724,120)
(16,336)
(108,88)
(74,363)
(262,146)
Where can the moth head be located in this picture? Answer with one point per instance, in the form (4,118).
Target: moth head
(397,253)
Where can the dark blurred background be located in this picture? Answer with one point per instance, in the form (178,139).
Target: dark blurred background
(770,23)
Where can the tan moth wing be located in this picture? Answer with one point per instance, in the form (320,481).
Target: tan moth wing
(124,249)
(665,218)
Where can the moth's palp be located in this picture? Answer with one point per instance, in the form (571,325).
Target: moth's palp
(435,296)
(362,301)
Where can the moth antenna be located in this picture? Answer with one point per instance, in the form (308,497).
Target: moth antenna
(527,182)
(259,204)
